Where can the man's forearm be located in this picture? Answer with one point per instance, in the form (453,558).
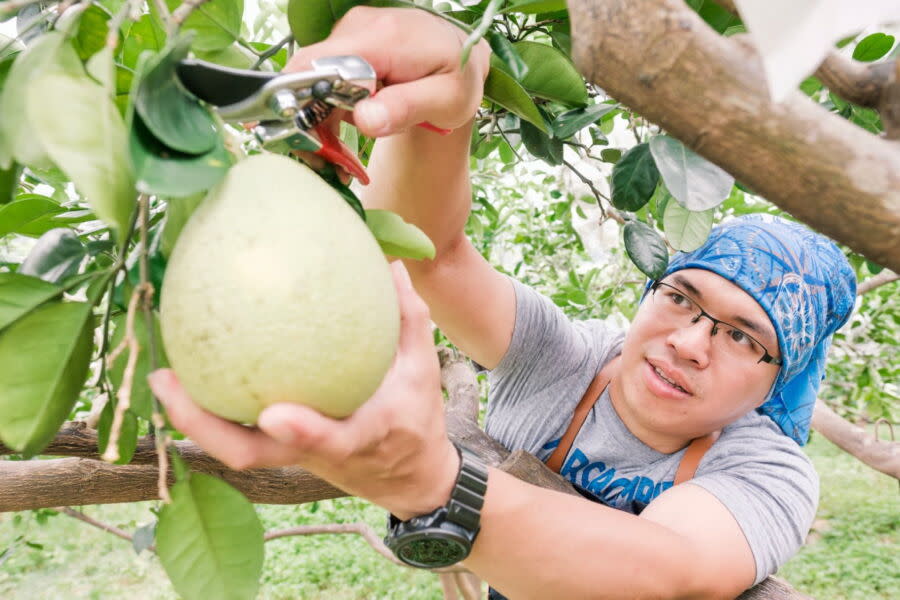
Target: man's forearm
(536,543)
(423,177)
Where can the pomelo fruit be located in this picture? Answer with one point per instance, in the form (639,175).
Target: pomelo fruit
(276,291)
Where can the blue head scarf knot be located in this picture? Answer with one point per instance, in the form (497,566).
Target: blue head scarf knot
(805,285)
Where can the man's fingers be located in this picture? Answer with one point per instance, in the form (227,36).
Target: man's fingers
(237,446)
(312,434)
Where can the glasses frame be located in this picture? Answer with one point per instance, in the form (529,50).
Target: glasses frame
(766,358)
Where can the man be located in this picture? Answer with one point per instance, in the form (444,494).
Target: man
(743,322)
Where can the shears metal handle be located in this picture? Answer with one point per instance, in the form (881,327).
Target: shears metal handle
(289,108)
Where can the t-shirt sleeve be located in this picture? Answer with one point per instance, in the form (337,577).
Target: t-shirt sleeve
(769,485)
(548,365)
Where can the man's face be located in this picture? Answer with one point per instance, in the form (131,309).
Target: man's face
(715,381)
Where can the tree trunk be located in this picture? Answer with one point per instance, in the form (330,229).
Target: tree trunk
(663,61)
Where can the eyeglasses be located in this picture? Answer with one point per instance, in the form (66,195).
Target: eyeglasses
(674,305)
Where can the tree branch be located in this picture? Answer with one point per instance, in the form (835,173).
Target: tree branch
(860,83)
(879,280)
(880,455)
(709,91)
(70,481)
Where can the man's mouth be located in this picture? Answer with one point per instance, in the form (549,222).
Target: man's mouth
(662,375)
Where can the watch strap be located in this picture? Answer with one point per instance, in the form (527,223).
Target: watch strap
(467,497)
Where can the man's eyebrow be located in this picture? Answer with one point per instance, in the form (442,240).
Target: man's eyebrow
(754,326)
(687,285)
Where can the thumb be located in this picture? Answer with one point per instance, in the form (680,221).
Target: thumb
(415,318)
(398,107)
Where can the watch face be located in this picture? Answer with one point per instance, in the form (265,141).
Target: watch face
(432,552)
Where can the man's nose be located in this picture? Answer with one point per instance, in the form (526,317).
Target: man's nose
(693,341)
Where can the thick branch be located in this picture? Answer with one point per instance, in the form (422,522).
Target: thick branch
(27,484)
(881,455)
(710,92)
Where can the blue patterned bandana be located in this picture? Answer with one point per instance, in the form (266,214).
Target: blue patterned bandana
(805,285)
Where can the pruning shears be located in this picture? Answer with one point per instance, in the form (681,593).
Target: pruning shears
(289,108)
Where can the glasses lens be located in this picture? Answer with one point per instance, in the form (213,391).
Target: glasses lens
(738,344)
(728,341)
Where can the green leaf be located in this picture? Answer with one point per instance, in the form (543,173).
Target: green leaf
(397,237)
(210,541)
(44,360)
(506,52)
(20,294)
(646,249)
(128,434)
(49,54)
(142,538)
(686,230)
(141,396)
(501,88)
(717,17)
(551,74)
(611,155)
(93,28)
(694,181)
(311,20)
(569,123)
(160,170)
(178,211)
(234,56)
(872,47)
(29,214)
(634,178)
(144,34)
(55,257)
(83,132)
(533,7)
(175,118)
(102,68)
(216,24)
(540,145)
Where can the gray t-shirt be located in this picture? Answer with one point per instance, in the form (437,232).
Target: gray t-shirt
(759,474)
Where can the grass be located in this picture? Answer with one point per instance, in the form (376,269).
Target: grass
(854,550)
(853,553)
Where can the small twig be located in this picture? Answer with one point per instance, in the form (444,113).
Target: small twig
(98,524)
(126,12)
(597,193)
(123,396)
(271,52)
(183,12)
(163,9)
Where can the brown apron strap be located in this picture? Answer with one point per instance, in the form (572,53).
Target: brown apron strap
(693,455)
(594,391)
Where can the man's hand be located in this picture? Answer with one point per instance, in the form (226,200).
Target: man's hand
(416,57)
(393,450)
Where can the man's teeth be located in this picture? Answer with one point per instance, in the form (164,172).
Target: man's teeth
(669,381)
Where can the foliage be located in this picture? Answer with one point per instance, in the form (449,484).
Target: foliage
(104,154)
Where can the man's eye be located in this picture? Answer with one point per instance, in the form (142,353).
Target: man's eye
(740,337)
(679,299)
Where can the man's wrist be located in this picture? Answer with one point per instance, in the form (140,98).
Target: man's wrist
(438,492)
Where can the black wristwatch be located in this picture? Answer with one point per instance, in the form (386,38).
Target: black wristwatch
(445,536)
